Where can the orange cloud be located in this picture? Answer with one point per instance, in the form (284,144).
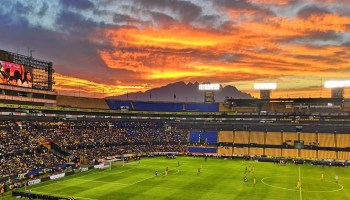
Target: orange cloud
(244,51)
(75,86)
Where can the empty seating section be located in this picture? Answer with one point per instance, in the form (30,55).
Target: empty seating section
(326,154)
(240,151)
(244,109)
(209,137)
(225,136)
(81,102)
(326,140)
(289,137)
(276,152)
(256,151)
(308,154)
(202,107)
(241,137)
(201,150)
(223,108)
(158,106)
(225,151)
(343,140)
(163,106)
(292,153)
(343,155)
(274,138)
(116,104)
(257,137)
(309,138)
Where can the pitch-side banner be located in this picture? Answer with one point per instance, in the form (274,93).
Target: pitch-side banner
(33,182)
(57,176)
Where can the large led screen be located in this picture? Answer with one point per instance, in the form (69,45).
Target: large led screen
(15,74)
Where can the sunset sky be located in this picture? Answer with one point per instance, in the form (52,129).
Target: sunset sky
(110,47)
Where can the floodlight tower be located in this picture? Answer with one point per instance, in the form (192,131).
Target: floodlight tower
(337,87)
(209,91)
(265,89)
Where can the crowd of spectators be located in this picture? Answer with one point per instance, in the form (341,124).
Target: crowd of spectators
(21,142)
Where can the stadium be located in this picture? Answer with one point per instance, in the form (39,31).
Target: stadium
(65,147)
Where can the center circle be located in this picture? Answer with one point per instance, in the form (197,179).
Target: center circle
(289,183)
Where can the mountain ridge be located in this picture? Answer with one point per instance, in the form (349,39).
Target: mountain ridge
(182,92)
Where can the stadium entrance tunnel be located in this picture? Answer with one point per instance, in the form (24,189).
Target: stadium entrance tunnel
(307,184)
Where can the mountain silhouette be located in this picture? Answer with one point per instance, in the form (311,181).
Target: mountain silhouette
(182,92)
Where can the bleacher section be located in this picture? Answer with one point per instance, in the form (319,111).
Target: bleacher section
(326,154)
(292,153)
(201,150)
(289,137)
(226,136)
(163,106)
(275,152)
(201,107)
(241,137)
(343,155)
(116,104)
(326,140)
(240,151)
(81,102)
(225,151)
(343,140)
(250,143)
(274,138)
(256,151)
(209,137)
(309,138)
(308,154)
(257,137)
(158,106)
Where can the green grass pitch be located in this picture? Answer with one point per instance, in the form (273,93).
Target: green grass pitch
(218,179)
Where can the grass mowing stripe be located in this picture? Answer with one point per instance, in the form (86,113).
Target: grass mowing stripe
(49,194)
(221,179)
(78,176)
(301,197)
(106,182)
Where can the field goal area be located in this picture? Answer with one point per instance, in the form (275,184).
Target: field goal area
(109,164)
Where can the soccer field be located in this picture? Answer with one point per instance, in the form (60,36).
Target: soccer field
(218,179)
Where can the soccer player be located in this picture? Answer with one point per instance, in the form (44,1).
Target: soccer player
(245,178)
(322,177)
(298,185)
(336,179)
(167,169)
(254,180)
(199,171)
(178,163)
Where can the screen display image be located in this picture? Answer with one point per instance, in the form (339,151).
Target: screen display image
(15,74)
(298,144)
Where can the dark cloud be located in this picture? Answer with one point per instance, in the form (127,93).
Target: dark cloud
(78,4)
(43,9)
(118,18)
(161,19)
(187,11)
(209,20)
(73,22)
(242,5)
(308,11)
(346,44)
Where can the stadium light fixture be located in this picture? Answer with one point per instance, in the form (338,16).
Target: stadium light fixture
(337,84)
(215,86)
(265,86)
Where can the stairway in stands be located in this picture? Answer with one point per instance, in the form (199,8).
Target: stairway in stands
(57,150)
